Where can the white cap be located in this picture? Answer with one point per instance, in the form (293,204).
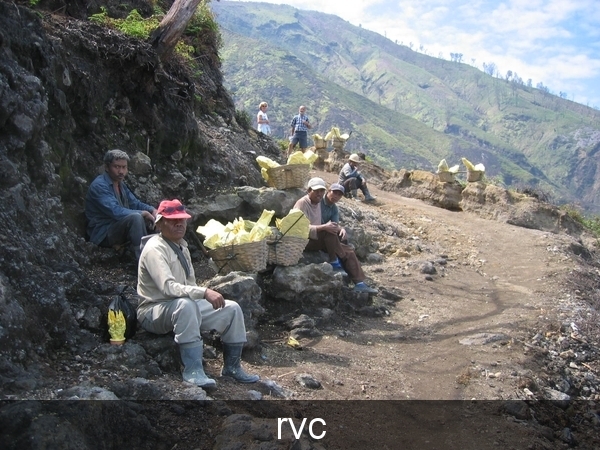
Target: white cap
(317,183)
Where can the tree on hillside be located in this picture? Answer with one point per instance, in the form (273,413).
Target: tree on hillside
(490,68)
(456,57)
(170,29)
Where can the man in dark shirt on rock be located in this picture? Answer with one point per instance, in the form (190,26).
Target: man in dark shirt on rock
(114,215)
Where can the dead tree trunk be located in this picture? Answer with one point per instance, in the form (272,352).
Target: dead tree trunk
(170,29)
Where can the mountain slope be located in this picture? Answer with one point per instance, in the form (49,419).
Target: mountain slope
(289,57)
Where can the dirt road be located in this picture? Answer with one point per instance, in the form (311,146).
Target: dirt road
(458,335)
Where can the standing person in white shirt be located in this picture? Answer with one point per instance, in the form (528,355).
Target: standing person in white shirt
(262,120)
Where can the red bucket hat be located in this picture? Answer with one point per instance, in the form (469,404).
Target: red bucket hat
(171,209)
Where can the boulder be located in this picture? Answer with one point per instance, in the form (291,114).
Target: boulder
(312,285)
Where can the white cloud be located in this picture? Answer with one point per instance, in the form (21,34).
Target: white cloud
(556,42)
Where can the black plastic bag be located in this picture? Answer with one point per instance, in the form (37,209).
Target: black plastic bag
(121,303)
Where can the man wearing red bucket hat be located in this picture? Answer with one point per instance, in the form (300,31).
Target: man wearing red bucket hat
(171,301)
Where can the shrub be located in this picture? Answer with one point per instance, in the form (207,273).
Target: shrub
(534,192)
(243,119)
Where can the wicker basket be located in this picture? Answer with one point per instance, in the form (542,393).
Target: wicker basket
(446,177)
(474,175)
(288,176)
(338,143)
(250,257)
(320,143)
(286,251)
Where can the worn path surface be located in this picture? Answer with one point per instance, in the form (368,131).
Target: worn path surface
(460,335)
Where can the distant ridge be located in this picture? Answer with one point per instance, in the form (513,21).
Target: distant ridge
(406,109)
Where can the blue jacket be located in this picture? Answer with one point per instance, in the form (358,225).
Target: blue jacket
(102,208)
(329,212)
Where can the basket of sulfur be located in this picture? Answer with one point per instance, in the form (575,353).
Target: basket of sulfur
(292,175)
(338,140)
(445,173)
(320,141)
(286,245)
(474,173)
(240,245)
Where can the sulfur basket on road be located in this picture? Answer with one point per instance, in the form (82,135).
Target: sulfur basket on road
(446,177)
(474,175)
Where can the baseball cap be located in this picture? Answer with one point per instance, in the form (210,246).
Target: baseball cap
(337,187)
(317,183)
(171,209)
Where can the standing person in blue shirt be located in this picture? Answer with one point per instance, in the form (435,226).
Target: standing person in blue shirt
(299,135)
(114,215)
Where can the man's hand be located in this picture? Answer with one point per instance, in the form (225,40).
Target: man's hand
(214,298)
(342,233)
(149,218)
(330,227)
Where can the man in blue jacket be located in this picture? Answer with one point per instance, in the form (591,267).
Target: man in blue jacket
(114,215)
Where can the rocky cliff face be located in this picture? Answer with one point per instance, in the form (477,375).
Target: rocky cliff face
(69,91)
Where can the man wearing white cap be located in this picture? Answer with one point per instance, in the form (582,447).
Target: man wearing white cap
(171,301)
(352,180)
(324,236)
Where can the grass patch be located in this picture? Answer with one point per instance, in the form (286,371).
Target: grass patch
(201,31)
(589,222)
(133,25)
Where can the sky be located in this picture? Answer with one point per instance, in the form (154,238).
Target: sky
(555,42)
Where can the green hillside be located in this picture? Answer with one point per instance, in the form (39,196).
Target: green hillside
(406,109)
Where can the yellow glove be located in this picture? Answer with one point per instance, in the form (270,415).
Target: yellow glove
(116,325)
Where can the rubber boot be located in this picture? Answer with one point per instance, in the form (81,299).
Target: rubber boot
(193,371)
(355,195)
(232,357)
(367,194)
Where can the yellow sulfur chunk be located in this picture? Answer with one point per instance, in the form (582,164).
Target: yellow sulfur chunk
(294,224)
(265,162)
(443,166)
(470,167)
